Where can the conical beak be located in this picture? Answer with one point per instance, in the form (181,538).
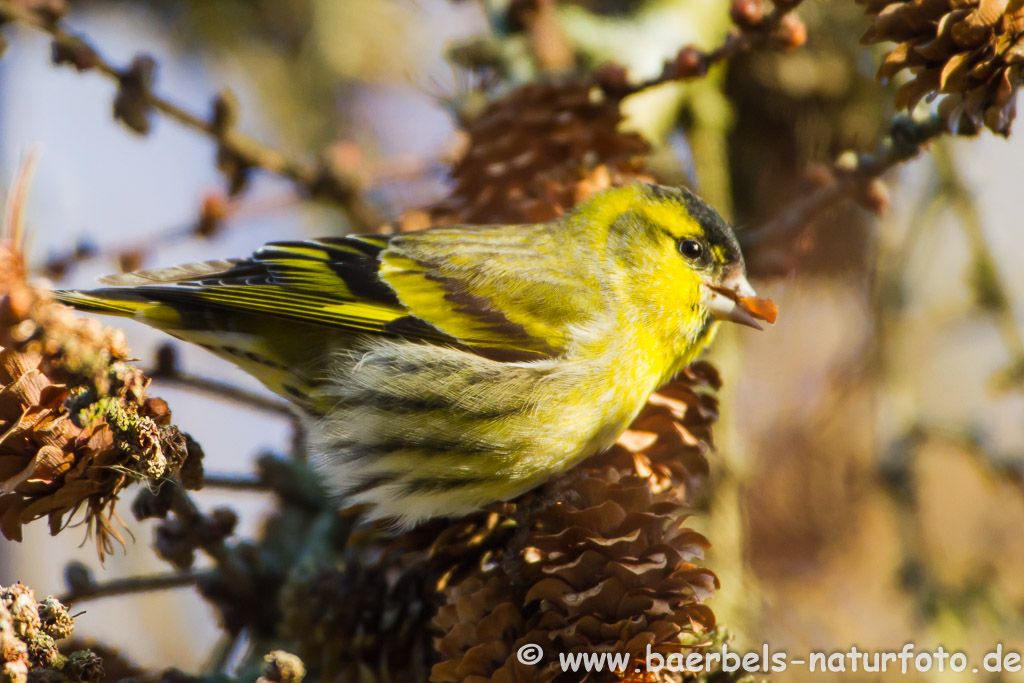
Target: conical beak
(736,301)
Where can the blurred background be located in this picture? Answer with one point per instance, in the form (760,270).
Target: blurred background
(868,483)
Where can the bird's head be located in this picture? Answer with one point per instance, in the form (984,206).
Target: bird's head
(682,257)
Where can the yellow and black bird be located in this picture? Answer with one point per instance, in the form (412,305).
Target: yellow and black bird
(445,369)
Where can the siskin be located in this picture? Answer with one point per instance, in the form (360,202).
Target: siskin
(445,369)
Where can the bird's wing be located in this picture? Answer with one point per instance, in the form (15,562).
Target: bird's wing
(451,285)
(521,287)
(330,282)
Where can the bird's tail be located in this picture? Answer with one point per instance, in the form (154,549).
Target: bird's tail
(287,359)
(105,301)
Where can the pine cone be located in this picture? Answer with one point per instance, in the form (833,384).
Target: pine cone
(601,561)
(539,151)
(972,52)
(363,610)
(349,624)
(76,425)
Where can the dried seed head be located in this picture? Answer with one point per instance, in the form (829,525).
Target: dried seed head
(690,62)
(874,196)
(282,667)
(75,52)
(54,618)
(791,32)
(612,78)
(28,634)
(84,667)
(747,14)
(132,102)
(215,209)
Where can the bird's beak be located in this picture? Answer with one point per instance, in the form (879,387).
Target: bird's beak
(735,300)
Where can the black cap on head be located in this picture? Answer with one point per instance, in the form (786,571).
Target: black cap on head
(719,233)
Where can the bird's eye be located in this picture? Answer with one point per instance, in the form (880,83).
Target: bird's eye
(691,249)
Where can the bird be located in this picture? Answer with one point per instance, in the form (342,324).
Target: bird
(441,370)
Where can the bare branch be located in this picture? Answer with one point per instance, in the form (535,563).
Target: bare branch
(906,139)
(131,585)
(753,28)
(237,152)
(235,482)
(225,390)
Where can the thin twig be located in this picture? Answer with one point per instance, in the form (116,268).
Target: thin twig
(316,180)
(132,585)
(694,63)
(993,294)
(235,482)
(905,140)
(226,391)
(209,224)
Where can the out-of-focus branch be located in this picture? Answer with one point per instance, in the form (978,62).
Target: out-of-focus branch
(166,370)
(192,529)
(991,294)
(854,175)
(230,392)
(237,153)
(216,211)
(898,472)
(235,482)
(990,290)
(131,585)
(754,27)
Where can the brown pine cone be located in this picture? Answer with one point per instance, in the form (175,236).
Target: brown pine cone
(76,425)
(971,52)
(363,612)
(537,152)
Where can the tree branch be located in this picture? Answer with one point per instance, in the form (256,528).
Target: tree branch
(753,28)
(225,391)
(237,152)
(235,482)
(906,139)
(131,585)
